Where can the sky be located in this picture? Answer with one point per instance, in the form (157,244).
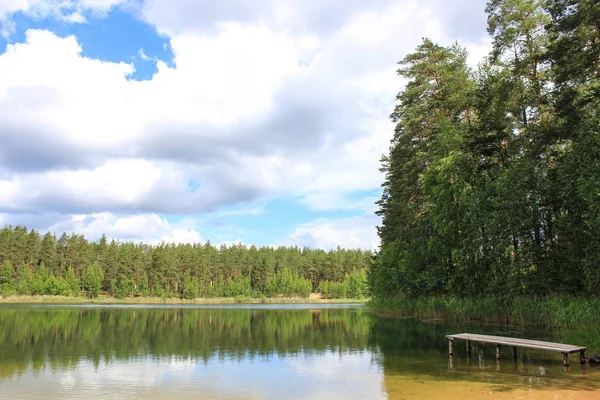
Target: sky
(260,122)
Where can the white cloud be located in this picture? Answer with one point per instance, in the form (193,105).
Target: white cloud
(56,8)
(243,211)
(70,11)
(478,51)
(95,111)
(89,106)
(148,228)
(75,18)
(126,182)
(289,100)
(181,236)
(237,242)
(143,55)
(352,232)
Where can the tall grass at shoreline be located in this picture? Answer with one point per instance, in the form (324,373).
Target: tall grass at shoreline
(550,312)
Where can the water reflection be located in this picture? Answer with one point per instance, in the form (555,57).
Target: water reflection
(411,354)
(261,352)
(303,376)
(267,352)
(64,336)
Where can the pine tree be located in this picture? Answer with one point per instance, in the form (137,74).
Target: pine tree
(92,280)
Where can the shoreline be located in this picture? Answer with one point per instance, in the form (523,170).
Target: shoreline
(546,312)
(569,319)
(159,300)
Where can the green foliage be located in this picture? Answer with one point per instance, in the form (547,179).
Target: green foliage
(287,284)
(122,287)
(190,289)
(7,286)
(6,272)
(24,280)
(57,287)
(72,282)
(239,286)
(158,291)
(39,283)
(218,289)
(92,280)
(47,265)
(333,290)
(143,285)
(492,178)
(354,286)
(551,311)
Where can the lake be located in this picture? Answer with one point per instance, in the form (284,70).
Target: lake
(265,352)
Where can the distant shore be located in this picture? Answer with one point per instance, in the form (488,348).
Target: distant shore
(159,300)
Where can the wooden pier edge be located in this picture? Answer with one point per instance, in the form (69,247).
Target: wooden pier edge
(565,349)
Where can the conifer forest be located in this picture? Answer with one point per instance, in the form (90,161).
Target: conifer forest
(492,181)
(34,264)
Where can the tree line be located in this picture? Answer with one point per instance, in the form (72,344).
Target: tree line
(32,264)
(492,181)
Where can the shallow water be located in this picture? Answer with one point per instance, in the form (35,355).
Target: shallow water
(264,352)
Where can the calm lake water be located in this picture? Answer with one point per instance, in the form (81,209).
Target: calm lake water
(265,352)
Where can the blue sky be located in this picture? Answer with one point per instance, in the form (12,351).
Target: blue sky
(226,121)
(116,37)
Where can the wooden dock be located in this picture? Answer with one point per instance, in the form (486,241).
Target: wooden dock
(565,349)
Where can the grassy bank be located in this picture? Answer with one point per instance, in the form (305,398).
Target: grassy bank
(159,300)
(551,312)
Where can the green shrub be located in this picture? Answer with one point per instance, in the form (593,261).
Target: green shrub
(92,280)
(122,287)
(190,289)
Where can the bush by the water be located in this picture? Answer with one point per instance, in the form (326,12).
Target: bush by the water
(42,282)
(354,286)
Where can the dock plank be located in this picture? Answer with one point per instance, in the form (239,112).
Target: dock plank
(516,342)
(565,349)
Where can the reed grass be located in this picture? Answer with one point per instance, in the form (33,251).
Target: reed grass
(551,311)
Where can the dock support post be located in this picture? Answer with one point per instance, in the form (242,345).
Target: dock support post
(450,347)
(514,351)
(566,359)
(468,347)
(497,351)
(582,359)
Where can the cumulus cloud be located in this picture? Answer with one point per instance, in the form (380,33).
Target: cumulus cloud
(181,16)
(83,137)
(148,228)
(461,19)
(70,11)
(352,232)
(56,8)
(263,99)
